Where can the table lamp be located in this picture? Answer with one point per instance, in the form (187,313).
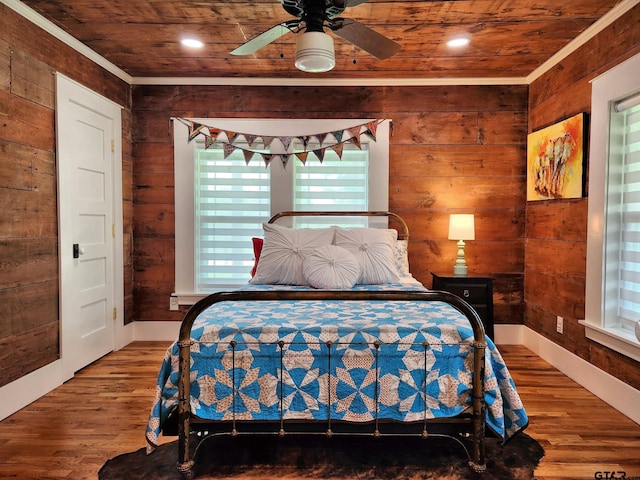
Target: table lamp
(461,228)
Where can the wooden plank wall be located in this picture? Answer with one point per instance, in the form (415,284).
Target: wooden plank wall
(556,231)
(453,149)
(29,324)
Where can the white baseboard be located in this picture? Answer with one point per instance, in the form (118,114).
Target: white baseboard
(124,335)
(156,331)
(25,390)
(619,395)
(508,334)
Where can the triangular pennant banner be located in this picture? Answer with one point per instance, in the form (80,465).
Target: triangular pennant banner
(338,149)
(214,132)
(355,131)
(338,135)
(286,141)
(368,133)
(250,139)
(228,149)
(248,155)
(266,157)
(231,136)
(302,156)
(194,130)
(355,140)
(320,154)
(321,137)
(372,127)
(266,140)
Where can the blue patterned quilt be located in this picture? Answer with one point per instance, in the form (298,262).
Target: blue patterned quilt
(342,380)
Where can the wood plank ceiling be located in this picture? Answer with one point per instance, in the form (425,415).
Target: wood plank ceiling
(509,38)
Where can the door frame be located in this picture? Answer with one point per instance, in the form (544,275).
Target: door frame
(67,90)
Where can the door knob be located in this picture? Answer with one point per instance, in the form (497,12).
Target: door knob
(77,250)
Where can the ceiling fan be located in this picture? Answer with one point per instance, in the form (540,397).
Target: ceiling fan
(314,48)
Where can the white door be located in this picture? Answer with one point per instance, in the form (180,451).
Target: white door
(88,158)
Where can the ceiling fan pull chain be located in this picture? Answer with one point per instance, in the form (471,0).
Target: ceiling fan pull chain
(282,45)
(354,53)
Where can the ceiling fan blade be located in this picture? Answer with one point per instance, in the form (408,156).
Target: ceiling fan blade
(365,38)
(266,37)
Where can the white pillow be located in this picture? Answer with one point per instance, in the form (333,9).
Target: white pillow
(284,250)
(331,267)
(374,249)
(402,258)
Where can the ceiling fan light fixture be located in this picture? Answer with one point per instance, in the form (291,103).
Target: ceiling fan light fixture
(314,52)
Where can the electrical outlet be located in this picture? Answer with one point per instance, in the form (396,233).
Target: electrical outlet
(173,303)
(559,324)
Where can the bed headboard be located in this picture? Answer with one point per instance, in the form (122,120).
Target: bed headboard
(403,229)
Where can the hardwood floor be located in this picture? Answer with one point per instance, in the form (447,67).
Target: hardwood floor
(71,432)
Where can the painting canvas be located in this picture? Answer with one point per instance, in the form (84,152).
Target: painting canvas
(555,160)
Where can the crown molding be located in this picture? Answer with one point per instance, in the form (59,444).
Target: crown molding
(327,82)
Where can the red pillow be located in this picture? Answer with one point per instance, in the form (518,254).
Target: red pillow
(257,250)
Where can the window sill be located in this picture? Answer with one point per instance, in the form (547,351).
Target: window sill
(615,339)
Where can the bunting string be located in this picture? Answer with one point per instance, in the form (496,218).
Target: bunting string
(212,135)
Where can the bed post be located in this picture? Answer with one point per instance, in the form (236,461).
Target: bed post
(478,463)
(478,403)
(185,456)
(185,462)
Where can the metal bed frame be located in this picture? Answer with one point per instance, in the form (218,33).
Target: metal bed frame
(188,423)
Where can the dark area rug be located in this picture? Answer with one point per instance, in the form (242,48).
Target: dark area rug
(305,457)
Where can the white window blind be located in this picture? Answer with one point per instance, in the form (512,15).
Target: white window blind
(335,185)
(232,201)
(629,279)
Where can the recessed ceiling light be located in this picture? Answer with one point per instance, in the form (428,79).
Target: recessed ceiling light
(192,43)
(458,42)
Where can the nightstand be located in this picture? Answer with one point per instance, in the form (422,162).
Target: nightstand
(476,291)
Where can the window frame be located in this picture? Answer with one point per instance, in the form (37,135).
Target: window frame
(614,85)
(184,178)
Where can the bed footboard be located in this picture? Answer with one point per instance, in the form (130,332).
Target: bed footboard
(187,450)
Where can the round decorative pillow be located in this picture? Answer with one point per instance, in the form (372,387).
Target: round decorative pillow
(331,267)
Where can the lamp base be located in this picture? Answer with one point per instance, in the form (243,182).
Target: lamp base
(460,267)
(460,270)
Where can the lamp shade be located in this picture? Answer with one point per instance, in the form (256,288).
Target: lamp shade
(314,52)
(461,227)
